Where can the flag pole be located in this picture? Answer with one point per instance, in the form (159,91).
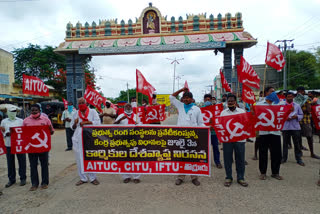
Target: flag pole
(137,105)
(264,79)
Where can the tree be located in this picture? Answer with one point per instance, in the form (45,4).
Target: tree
(123,96)
(48,66)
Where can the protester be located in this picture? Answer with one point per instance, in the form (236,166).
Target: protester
(6,124)
(66,117)
(84,116)
(49,111)
(36,119)
(127,118)
(108,114)
(291,128)
(270,140)
(144,103)
(261,98)
(189,115)
(240,103)
(133,102)
(306,128)
(214,140)
(224,101)
(154,100)
(237,147)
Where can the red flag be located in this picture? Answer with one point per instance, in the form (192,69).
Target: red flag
(30,139)
(94,98)
(218,108)
(207,114)
(224,83)
(34,86)
(274,57)
(3,149)
(316,116)
(234,128)
(186,85)
(248,95)
(247,75)
(65,103)
(141,113)
(271,118)
(155,113)
(143,86)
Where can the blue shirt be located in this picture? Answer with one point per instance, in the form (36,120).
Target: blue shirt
(294,123)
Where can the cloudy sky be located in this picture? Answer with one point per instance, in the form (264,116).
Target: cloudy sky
(44,22)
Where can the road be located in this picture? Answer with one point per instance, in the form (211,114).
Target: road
(298,193)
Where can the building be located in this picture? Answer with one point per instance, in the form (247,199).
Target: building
(6,72)
(273,77)
(217,87)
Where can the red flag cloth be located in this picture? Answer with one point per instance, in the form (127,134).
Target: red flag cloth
(30,139)
(224,83)
(34,86)
(65,103)
(274,57)
(186,85)
(94,98)
(316,116)
(218,108)
(248,95)
(207,114)
(155,114)
(271,118)
(141,113)
(143,86)
(3,149)
(121,110)
(234,128)
(247,75)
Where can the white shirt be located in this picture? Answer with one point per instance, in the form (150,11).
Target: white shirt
(7,124)
(93,117)
(125,121)
(67,114)
(264,103)
(228,112)
(192,118)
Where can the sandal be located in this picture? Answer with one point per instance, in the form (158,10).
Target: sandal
(263,177)
(277,176)
(242,183)
(228,183)
(95,182)
(80,183)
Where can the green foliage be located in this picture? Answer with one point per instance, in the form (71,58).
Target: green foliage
(123,96)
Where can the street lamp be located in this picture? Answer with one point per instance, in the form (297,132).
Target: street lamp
(179,78)
(174,62)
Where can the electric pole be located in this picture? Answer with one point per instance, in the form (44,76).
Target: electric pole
(211,91)
(128,92)
(174,62)
(285,46)
(179,78)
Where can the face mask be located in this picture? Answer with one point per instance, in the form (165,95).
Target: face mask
(82,107)
(214,102)
(35,115)
(207,103)
(70,108)
(128,112)
(232,107)
(12,115)
(134,104)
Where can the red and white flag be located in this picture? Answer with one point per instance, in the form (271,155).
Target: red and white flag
(155,114)
(34,86)
(65,103)
(3,149)
(94,98)
(247,75)
(186,85)
(224,83)
(248,95)
(234,128)
(30,139)
(210,112)
(141,113)
(274,57)
(271,118)
(143,86)
(316,116)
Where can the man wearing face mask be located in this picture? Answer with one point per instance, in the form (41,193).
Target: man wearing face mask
(133,102)
(189,115)
(108,114)
(66,117)
(224,101)
(128,118)
(37,119)
(208,101)
(84,116)
(237,147)
(6,124)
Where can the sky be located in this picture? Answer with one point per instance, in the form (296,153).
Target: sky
(43,22)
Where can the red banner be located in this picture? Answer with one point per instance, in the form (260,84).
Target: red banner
(65,103)
(30,139)
(271,118)
(316,116)
(248,95)
(210,112)
(224,83)
(274,57)
(155,114)
(234,128)
(94,98)
(247,75)
(143,86)
(3,149)
(141,113)
(34,86)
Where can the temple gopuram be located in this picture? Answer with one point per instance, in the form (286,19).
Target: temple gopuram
(153,33)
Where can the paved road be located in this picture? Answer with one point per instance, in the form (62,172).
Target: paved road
(298,193)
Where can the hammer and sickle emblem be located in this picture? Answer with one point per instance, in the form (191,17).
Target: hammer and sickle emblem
(152,116)
(278,61)
(43,142)
(205,118)
(234,132)
(268,122)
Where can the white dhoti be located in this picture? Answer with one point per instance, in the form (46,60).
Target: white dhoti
(83,176)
